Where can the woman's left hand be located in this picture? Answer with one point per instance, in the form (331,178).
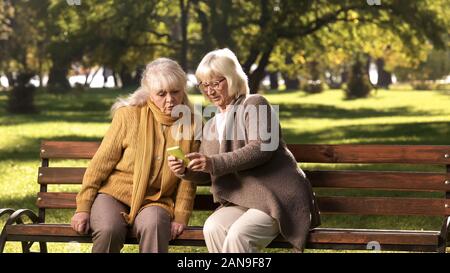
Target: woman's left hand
(199,162)
(176,165)
(176,229)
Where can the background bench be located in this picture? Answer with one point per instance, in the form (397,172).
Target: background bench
(322,180)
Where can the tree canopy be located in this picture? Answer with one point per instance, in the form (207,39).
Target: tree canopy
(48,36)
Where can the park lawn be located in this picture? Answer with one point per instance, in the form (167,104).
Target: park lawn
(387,117)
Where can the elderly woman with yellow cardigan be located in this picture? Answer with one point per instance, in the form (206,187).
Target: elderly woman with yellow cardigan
(128,183)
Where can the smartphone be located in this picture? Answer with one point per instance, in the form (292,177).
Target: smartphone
(178,153)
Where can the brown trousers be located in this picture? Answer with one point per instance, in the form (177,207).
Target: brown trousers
(109,229)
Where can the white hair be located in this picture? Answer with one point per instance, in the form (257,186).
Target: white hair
(160,74)
(223,62)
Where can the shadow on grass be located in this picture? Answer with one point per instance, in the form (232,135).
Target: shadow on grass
(382,222)
(301,93)
(26,202)
(431,133)
(29,148)
(86,106)
(29,202)
(309,110)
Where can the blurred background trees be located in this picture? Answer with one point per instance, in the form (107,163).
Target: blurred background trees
(294,44)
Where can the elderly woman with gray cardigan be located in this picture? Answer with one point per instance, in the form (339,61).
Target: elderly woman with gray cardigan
(255,178)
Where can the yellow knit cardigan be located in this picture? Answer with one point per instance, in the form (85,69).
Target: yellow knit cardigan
(111,170)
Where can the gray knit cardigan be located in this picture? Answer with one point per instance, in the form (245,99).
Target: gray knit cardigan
(246,175)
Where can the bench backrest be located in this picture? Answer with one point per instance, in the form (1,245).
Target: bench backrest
(320,179)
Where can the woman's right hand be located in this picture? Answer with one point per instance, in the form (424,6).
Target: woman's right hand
(80,222)
(199,162)
(176,165)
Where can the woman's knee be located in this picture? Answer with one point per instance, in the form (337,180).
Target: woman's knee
(236,234)
(109,231)
(211,226)
(151,220)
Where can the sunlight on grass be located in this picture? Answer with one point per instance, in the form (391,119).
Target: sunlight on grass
(387,117)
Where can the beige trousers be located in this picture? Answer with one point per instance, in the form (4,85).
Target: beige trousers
(109,229)
(235,229)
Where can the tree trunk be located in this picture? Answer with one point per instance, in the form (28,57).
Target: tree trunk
(384,77)
(184,39)
(315,84)
(57,80)
(61,56)
(358,85)
(206,44)
(257,76)
(314,70)
(331,79)
(40,72)
(344,74)
(254,80)
(138,76)
(250,60)
(273,76)
(116,82)
(126,78)
(87,72)
(221,31)
(291,83)
(21,98)
(93,76)
(11,80)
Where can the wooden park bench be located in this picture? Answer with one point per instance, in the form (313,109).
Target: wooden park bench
(320,238)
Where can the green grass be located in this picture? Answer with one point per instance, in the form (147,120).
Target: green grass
(388,117)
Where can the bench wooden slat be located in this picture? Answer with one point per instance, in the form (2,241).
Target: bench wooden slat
(355,236)
(67,200)
(380,180)
(324,179)
(327,205)
(317,236)
(315,153)
(56,200)
(348,153)
(68,149)
(384,206)
(60,175)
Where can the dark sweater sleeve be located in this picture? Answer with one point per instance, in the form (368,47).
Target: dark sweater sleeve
(252,154)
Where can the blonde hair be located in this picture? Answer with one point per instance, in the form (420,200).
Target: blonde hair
(160,74)
(223,62)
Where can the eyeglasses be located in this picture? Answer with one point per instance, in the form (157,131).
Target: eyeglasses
(203,86)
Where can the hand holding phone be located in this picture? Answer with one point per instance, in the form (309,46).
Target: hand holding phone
(178,153)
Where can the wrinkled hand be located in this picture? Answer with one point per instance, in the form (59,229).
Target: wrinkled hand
(80,222)
(176,165)
(176,229)
(199,162)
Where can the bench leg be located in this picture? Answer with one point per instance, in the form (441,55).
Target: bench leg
(5,211)
(16,218)
(43,247)
(444,236)
(26,246)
